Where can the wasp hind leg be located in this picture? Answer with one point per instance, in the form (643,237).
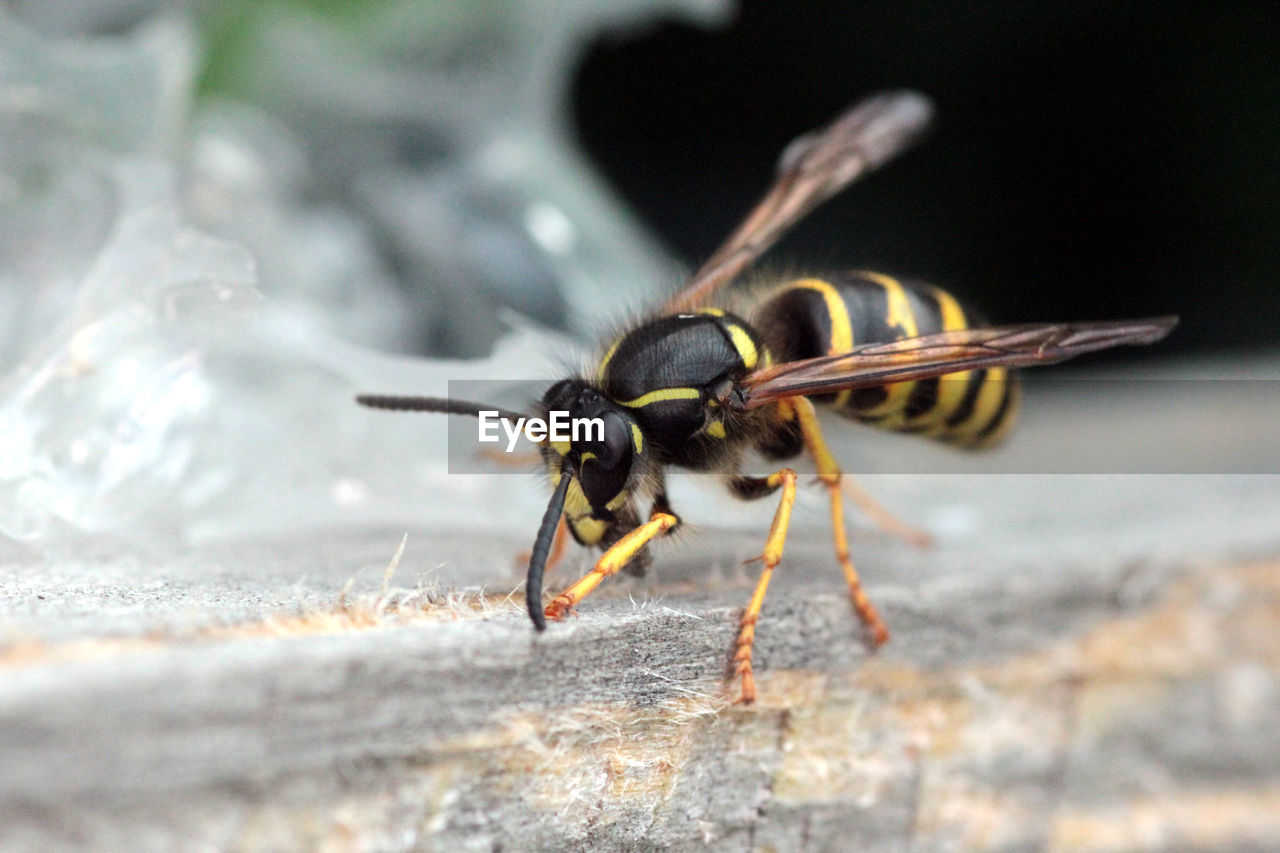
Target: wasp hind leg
(829,474)
(882,517)
(610,562)
(749,488)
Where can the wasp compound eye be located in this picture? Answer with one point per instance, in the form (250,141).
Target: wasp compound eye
(606,463)
(616,446)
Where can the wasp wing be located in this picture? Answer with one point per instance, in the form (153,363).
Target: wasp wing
(927,356)
(813,168)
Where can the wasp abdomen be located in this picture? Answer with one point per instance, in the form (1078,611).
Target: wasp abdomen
(813,317)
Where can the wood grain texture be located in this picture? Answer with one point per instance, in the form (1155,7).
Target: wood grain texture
(1084,662)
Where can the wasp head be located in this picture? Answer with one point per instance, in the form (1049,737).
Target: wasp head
(602,446)
(600,452)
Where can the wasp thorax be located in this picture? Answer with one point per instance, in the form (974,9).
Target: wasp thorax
(600,454)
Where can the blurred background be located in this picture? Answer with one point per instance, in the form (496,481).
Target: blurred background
(1089,159)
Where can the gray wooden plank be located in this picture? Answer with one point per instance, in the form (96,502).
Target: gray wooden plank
(1083,661)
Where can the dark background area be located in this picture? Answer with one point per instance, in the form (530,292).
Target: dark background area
(1090,160)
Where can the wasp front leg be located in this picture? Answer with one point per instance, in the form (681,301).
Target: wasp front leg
(610,562)
(662,506)
(829,474)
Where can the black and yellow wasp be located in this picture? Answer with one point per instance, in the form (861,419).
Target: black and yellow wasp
(714,373)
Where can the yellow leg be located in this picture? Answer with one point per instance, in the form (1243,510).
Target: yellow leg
(829,474)
(771,557)
(882,517)
(609,563)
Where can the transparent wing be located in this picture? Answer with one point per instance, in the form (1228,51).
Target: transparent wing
(812,169)
(939,354)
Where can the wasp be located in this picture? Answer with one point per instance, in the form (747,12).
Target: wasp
(715,373)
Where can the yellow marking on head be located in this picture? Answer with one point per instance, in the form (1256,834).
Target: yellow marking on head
(590,530)
(715,429)
(637,438)
(561,447)
(714,312)
(744,345)
(661,396)
(604,362)
(577,511)
(576,504)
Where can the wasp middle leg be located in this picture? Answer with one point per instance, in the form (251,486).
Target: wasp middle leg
(749,488)
(829,474)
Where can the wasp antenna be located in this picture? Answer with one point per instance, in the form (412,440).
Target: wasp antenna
(434,404)
(541,548)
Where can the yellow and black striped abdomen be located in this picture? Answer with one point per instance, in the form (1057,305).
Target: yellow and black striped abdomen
(812,317)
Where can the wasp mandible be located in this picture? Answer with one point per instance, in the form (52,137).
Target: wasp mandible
(715,372)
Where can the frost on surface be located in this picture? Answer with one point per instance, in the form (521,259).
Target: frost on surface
(192,287)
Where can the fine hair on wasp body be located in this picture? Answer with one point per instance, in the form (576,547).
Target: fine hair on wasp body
(718,370)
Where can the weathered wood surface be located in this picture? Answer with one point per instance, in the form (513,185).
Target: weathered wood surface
(1084,662)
